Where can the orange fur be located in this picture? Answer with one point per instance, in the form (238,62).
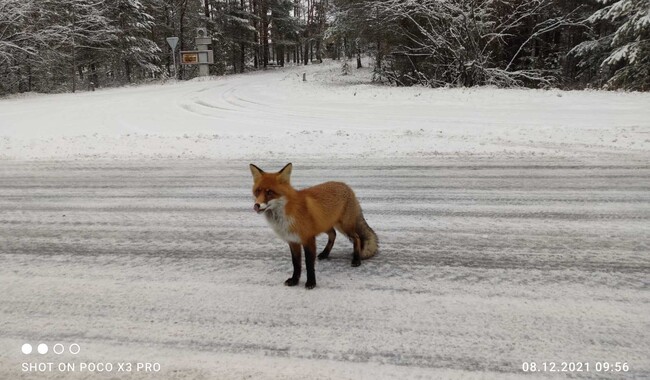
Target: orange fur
(309,212)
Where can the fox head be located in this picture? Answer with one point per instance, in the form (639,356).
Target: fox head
(269,189)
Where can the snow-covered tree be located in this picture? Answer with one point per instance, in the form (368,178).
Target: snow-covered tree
(86,30)
(134,48)
(619,49)
(457,42)
(285,29)
(14,41)
(235,34)
(29,42)
(58,45)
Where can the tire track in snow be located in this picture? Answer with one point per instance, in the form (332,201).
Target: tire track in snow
(483,265)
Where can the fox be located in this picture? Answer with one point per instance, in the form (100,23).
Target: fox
(298,216)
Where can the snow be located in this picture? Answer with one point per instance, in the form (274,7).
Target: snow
(628,51)
(513,227)
(276,114)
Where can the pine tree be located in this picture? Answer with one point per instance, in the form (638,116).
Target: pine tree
(620,46)
(236,33)
(134,49)
(285,28)
(31,46)
(88,32)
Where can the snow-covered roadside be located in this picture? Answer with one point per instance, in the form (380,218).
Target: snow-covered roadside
(276,114)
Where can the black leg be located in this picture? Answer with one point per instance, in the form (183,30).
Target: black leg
(356,257)
(295,259)
(310,258)
(331,236)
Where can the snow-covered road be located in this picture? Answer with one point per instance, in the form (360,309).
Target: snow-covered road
(485,263)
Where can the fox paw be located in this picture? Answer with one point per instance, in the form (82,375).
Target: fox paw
(356,262)
(291,281)
(310,284)
(323,255)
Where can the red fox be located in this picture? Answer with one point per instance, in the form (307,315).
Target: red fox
(298,216)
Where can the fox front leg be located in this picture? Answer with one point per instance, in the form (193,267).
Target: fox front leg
(295,259)
(310,259)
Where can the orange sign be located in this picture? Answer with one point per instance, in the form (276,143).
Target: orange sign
(189,58)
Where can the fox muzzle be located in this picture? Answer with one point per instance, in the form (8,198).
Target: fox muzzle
(260,208)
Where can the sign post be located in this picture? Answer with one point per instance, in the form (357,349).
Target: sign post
(172,41)
(202,56)
(202,41)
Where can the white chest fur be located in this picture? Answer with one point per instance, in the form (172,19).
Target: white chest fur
(280,222)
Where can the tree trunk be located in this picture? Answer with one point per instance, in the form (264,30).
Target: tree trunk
(281,55)
(319,57)
(305,55)
(265,32)
(93,75)
(29,78)
(356,44)
(242,57)
(74,69)
(80,70)
(254,7)
(181,29)
(379,55)
(346,48)
(127,71)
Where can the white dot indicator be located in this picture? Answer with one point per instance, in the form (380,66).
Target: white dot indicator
(58,348)
(42,348)
(74,348)
(26,348)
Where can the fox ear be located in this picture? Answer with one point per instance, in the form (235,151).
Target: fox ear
(285,173)
(257,172)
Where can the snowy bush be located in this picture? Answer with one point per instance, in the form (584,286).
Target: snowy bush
(456,42)
(345,68)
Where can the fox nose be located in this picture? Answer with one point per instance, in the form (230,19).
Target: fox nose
(256,207)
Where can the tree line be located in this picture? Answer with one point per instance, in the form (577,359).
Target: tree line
(564,43)
(67,45)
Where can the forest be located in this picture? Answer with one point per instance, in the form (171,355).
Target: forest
(54,46)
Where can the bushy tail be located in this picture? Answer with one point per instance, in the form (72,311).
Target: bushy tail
(369,241)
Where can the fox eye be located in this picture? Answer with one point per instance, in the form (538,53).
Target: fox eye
(269,192)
